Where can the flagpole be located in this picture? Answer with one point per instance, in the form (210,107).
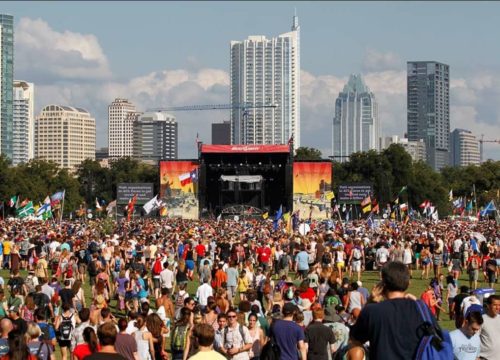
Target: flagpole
(62,206)
(475,200)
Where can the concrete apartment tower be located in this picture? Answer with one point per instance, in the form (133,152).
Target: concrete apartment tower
(121,117)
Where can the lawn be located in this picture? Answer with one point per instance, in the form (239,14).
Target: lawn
(369,279)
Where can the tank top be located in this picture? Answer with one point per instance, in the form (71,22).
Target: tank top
(354,301)
(142,346)
(256,345)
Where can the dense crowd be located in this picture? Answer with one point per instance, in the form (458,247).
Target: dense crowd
(185,289)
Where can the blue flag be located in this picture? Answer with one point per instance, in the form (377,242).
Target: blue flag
(488,208)
(279,214)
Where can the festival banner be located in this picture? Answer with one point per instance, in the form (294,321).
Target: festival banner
(179,189)
(312,186)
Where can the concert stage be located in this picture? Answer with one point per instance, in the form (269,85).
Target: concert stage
(244,180)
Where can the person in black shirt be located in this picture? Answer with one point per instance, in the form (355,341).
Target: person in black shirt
(391,334)
(67,294)
(457,305)
(319,337)
(18,323)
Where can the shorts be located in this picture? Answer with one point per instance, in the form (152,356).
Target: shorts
(156,283)
(417,255)
(473,275)
(303,273)
(340,264)
(190,265)
(64,343)
(438,261)
(356,265)
(491,277)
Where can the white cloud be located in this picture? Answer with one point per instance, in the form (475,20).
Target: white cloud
(375,60)
(45,54)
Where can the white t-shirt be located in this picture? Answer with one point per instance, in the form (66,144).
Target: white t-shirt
(167,278)
(203,292)
(490,334)
(457,244)
(465,348)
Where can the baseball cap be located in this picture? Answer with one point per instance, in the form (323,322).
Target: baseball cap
(474,308)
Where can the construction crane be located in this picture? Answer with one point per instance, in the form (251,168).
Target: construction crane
(481,141)
(242,106)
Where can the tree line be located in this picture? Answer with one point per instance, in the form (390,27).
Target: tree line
(388,171)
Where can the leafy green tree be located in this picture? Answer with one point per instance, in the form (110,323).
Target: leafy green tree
(307,153)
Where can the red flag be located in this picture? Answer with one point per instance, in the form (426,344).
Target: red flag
(130,206)
(425,204)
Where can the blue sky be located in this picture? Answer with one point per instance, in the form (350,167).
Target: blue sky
(177,53)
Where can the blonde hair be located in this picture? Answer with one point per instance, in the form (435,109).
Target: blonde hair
(33,331)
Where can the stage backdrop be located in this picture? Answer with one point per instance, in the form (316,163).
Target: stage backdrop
(312,189)
(179,188)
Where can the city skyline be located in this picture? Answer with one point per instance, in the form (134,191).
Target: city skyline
(88,64)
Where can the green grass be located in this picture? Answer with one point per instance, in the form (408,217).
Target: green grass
(369,279)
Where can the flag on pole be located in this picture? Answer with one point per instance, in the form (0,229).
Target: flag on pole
(58,196)
(329,195)
(185,179)
(130,206)
(450,195)
(26,210)
(24,203)
(265,215)
(278,216)
(219,218)
(403,189)
(98,206)
(366,204)
(13,201)
(403,206)
(151,205)
(375,206)
(425,204)
(488,208)
(110,207)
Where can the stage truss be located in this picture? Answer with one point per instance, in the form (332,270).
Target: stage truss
(241,210)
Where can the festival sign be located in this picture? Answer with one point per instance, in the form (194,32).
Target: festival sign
(179,189)
(354,193)
(312,186)
(126,191)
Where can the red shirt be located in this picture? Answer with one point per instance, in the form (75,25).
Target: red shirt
(200,250)
(82,350)
(264,254)
(309,294)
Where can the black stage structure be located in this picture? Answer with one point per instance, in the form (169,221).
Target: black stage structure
(244,180)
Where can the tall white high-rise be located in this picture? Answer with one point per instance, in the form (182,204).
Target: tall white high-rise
(121,117)
(464,148)
(23,129)
(356,125)
(266,71)
(65,135)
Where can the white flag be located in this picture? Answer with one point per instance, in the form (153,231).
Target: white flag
(150,205)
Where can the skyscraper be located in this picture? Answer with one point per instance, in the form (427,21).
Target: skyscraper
(121,117)
(464,148)
(6,83)
(355,125)
(155,137)
(266,71)
(65,135)
(23,133)
(221,133)
(428,92)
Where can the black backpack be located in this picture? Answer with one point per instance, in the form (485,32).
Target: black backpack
(66,328)
(92,268)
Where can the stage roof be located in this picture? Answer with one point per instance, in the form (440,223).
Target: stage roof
(244,149)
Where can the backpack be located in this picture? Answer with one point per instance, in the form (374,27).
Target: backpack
(93,248)
(179,338)
(435,343)
(240,329)
(66,327)
(157,268)
(283,261)
(45,334)
(271,351)
(356,254)
(30,285)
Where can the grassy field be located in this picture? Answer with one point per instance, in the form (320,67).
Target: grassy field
(369,279)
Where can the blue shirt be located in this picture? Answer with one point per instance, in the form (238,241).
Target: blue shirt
(232,276)
(287,335)
(302,260)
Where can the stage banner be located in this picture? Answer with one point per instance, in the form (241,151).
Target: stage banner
(179,189)
(312,186)
(354,193)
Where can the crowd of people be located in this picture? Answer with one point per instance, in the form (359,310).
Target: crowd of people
(190,289)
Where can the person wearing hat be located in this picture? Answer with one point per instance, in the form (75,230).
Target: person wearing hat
(19,324)
(288,335)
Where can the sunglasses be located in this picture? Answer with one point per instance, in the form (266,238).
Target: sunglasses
(231,316)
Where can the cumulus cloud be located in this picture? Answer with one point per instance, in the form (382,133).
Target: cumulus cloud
(44,54)
(375,60)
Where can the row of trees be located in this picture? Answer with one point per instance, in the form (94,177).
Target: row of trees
(393,168)
(388,171)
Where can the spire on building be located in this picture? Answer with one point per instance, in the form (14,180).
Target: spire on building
(295,24)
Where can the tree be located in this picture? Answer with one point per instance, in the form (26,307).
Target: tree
(307,153)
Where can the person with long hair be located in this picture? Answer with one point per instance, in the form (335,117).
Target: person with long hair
(157,328)
(90,346)
(210,316)
(41,349)
(28,309)
(144,339)
(221,300)
(18,348)
(452,291)
(64,340)
(243,285)
(121,282)
(79,298)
